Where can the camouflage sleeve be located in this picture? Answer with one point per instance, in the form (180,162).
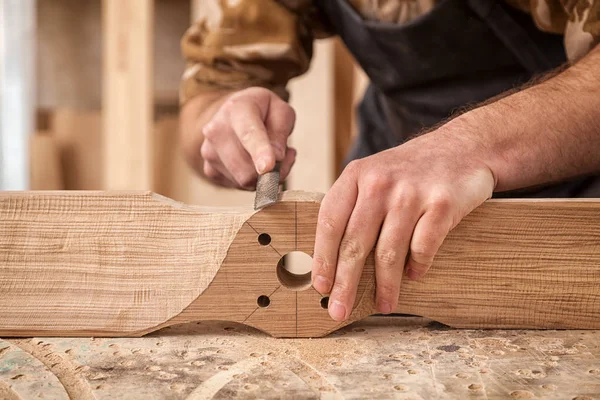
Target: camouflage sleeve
(578,20)
(238,44)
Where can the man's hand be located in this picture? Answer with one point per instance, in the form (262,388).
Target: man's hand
(402,202)
(244,134)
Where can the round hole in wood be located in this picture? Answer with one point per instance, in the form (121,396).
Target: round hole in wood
(325,302)
(293,270)
(264,239)
(263,301)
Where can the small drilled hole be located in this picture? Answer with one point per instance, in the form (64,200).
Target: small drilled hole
(264,239)
(325,302)
(263,301)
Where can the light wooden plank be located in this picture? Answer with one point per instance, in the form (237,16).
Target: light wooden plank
(114,264)
(127,93)
(313,137)
(344,103)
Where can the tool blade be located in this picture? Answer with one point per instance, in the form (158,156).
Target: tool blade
(267,188)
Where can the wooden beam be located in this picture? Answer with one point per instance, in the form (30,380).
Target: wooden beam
(344,103)
(313,137)
(127,93)
(125,264)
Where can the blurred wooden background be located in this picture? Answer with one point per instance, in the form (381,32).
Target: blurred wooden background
(108,74)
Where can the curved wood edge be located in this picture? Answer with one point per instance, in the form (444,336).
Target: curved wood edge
(105,263)
(125,264)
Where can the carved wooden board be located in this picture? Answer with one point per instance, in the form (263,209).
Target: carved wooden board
(128,263)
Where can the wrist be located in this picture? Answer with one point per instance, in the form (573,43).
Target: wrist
(465,136)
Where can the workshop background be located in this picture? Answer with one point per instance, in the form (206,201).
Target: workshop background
(90,101)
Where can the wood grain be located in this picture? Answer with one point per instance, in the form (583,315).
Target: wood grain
(114,264)
(89,263)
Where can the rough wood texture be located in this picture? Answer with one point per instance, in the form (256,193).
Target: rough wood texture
(378,358)
(113,264)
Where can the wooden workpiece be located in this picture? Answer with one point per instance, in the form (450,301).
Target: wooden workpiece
(129,263)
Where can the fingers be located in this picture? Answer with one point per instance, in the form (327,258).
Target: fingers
(229,153)
(428,236)
(356,244)
(248,125)
(216,176)
(214,169)
(390,254)
(336,208)
(248,134)
(287,163)
(280,122)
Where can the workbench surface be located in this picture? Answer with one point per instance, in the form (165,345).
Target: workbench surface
(394,357)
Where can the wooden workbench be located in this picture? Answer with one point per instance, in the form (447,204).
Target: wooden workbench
(397,357)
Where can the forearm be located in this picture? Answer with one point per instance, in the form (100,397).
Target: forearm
(546,133)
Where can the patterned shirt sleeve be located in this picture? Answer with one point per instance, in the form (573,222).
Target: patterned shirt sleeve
(237,44)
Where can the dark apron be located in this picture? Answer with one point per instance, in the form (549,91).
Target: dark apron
(461,53)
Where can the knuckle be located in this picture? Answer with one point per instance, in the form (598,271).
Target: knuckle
(209,171)
(210,130)
(327,224)
(207,152)
(353,167)
(250,133)
(406,197)
(387,291)
(321,265)
(441,201)
(375,183)
(421,253)
(232,101)
(386,259)
(342,290)
(351,250)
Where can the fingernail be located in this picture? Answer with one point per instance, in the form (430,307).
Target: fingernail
(384,307)
(261,166)
(337,311)
(412,274)
(321,284)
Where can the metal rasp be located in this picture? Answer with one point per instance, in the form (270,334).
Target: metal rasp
(267,188)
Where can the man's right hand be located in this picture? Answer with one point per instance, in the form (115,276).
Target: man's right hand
(239,136)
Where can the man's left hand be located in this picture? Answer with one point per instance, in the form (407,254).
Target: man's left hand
(402,203)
